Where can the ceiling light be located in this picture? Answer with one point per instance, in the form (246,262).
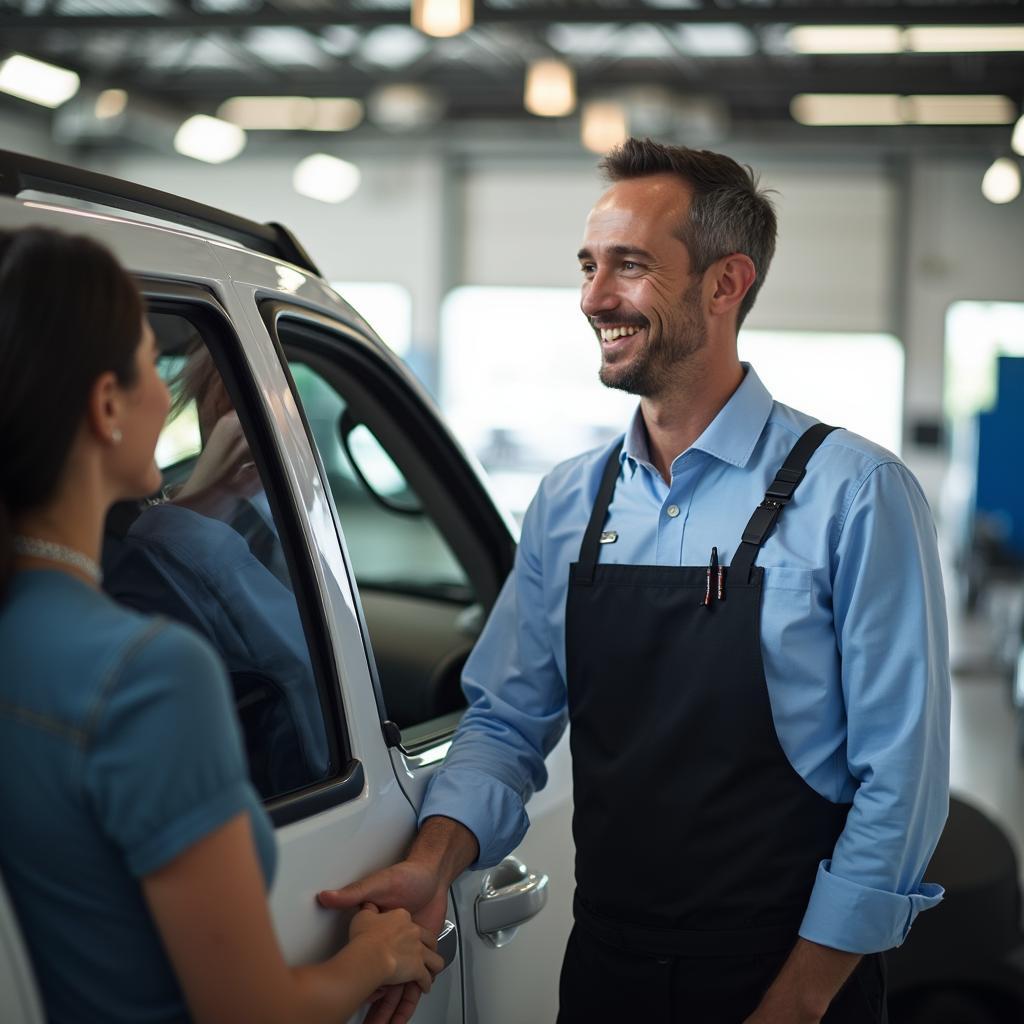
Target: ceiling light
(959,109)
(887,109)
(404,106)
(1001,183)
(603,125)
(716,40)
(846,108)
(550,89)
(110,103)
(326,178)
(292,113)
(37,81)
(442,18)
(965,38)
(1017,141)
(845,39)
(209,139)
(393,46)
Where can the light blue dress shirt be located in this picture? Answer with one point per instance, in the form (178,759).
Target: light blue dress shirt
(853,637)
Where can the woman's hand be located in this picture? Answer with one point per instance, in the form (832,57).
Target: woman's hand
(404,950)
(224,469)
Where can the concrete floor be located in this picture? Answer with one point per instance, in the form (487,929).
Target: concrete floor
(986,767)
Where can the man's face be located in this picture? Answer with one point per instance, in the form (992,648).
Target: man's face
(638,293)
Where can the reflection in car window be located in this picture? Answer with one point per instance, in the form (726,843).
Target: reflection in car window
(208,553)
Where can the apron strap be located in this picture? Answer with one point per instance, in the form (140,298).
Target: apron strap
(592,538)
(779,492)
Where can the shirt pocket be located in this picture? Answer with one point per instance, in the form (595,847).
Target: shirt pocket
(789,588)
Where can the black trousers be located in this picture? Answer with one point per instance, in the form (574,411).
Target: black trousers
(602,984)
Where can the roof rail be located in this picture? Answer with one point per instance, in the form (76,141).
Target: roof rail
(20,173)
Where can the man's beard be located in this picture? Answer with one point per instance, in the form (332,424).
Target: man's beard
(652,370)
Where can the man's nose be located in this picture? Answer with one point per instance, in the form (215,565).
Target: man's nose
(598,295)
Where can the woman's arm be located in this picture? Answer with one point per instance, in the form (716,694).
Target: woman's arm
(211,910)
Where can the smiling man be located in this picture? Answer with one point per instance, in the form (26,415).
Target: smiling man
(740,612)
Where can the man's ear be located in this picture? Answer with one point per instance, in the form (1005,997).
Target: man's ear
(104,411)
(733,277)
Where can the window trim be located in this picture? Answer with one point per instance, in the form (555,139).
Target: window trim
(202,307)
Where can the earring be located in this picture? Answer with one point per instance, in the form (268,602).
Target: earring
(116,435)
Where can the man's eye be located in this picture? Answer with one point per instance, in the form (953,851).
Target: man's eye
(629,265)
(587,268)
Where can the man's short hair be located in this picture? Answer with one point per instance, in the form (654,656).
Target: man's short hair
(729,213)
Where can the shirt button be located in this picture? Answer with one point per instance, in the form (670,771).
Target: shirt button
(672,511)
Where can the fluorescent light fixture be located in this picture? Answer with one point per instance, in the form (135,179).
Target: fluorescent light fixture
(845,39)
(603,125)
(325,178)
(292,113)
(959,109)
(110,103)
(846,108)
(442,18)
(820,109)
(209,139)
(550,89)
(1001,183)
(393,46)
(965,38)
(716,40)
(1017,141)
(36,81)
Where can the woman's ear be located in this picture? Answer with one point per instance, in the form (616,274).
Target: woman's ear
(733,277)
(104,410)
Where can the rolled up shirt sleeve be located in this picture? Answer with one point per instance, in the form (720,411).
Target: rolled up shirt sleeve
(517,711)
(890,624)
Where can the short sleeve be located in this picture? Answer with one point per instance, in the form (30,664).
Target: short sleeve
(164,760)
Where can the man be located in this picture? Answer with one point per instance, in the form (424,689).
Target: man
(742,614)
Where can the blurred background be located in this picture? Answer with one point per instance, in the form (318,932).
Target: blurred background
(438,163)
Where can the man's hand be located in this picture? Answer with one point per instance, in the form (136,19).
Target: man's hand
(442,850)
(806,985)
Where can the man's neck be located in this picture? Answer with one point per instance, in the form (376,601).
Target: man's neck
(676,418)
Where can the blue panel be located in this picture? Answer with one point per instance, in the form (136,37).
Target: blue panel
(1000,481)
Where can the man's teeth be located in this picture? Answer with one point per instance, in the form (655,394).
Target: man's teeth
(611,333)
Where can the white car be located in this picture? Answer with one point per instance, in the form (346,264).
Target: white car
(376,553)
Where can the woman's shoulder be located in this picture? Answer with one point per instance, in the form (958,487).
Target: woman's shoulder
(71,648)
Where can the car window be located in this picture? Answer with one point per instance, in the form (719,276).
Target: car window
(393,542)
(427,548)
(417,599)
(208,552)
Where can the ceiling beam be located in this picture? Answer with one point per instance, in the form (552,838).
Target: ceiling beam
(343,13)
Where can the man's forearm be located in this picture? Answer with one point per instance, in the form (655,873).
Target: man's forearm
(806,985)
(446,846)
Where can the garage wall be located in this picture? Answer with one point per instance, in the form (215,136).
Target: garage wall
(833,269)
(863,246)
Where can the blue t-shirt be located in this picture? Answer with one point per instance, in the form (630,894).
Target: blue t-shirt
(119,749)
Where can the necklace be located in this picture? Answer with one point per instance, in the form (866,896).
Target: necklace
(33,547)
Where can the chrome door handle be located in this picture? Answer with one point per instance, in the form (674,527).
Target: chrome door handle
(510,895)
(447,944)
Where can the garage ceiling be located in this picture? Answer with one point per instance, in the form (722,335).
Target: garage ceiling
(726,65)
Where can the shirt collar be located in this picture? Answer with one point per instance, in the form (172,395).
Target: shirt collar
(730,436)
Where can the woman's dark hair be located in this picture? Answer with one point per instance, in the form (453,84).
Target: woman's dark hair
(68,313)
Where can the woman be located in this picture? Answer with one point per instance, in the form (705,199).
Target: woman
(135,849)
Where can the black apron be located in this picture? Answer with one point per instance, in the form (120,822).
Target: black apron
(697,843)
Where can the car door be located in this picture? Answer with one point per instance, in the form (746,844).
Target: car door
(261,573)
(428,553)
